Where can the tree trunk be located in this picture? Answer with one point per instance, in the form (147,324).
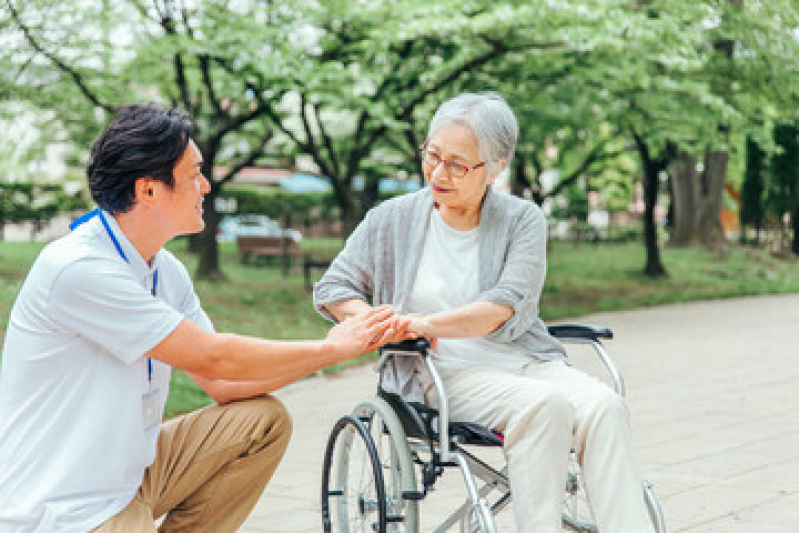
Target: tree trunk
(348,212)
(685,201)
(370,195)
(207,248)
(519,182)
(715,177)
(654,266)
(795,223)
(697,202)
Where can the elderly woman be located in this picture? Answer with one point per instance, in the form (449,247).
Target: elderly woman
(465,265)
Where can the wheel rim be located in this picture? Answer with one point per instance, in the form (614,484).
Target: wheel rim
(398,509)
(353,499)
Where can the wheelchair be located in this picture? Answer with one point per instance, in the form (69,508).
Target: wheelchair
(373,455)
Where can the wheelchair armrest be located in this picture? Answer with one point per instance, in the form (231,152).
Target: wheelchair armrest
(586,332)
(420,345)
(579,333)
(408,348)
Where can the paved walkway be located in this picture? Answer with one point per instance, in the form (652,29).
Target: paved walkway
(714,395)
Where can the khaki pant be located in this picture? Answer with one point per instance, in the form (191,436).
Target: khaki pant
(544,410)
(210,469)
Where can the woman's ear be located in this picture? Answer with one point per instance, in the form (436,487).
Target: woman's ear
(501,165)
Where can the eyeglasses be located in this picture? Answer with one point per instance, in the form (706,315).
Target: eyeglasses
(453,169)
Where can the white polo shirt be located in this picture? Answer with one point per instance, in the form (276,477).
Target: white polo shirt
(73,441)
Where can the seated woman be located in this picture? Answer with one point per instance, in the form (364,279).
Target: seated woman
(465,266)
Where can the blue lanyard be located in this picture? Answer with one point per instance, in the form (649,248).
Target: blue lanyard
(98,213)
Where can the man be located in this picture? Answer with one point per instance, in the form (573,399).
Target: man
(103,316)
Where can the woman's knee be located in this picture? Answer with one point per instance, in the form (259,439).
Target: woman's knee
(604,406)
(551,409)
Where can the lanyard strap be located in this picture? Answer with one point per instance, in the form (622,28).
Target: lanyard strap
(99,213)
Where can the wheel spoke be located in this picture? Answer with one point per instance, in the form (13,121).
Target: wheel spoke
(367,468)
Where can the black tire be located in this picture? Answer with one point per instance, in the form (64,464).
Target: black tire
(353,493)
(399,476)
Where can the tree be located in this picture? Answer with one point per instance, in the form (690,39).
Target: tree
(752,192)
(190,57)
(784,189)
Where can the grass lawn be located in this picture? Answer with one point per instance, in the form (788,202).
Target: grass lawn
(259,301)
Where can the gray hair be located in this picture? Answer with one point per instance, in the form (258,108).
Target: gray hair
(491,120)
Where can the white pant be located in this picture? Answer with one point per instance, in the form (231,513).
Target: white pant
(545,410)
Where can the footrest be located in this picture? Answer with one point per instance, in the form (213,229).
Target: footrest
(474,434)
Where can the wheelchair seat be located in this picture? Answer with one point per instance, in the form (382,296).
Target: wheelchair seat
(418,422)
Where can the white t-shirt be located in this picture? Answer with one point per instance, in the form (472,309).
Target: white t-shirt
(73,442)
(448,278)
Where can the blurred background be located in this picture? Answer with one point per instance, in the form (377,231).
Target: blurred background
(660,137)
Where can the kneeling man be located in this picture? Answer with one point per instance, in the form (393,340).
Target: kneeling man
(103,316)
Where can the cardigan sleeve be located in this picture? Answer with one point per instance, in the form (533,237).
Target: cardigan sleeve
(521,277)
(351,274)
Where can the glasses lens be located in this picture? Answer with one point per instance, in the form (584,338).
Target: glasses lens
(430,158)
(456,170)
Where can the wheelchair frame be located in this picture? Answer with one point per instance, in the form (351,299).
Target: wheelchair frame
(395,436)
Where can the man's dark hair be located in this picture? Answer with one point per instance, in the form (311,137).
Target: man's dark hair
(141,140)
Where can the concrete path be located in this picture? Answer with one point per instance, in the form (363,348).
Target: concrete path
(714,393)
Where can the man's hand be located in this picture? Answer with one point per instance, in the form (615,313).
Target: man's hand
(362,333)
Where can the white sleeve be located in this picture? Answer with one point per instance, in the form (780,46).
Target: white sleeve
(190,303)
(104,303)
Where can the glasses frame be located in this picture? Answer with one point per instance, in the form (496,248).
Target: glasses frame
(423,151)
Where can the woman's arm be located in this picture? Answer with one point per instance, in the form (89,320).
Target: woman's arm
(471,320)
(343,310)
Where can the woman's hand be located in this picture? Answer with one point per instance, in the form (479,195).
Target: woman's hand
(419,326)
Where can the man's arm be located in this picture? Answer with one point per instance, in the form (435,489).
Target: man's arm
(223,391)
(222,356)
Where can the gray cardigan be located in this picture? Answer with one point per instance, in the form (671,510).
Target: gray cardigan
(381,257)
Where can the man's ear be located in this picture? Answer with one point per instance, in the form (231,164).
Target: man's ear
(144,190)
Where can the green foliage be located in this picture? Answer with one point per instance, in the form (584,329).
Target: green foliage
(351,85)
(277,203)
(37,203)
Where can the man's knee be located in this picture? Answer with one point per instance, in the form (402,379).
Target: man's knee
(265,419)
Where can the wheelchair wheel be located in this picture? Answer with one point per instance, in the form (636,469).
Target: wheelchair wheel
(653,506)
(395,461)
(353,499)
(478,520)
(577,513)
(348,503)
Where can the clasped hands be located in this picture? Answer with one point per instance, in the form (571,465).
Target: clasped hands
(376,327)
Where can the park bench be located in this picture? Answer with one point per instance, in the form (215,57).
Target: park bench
(265,249)
(260,249)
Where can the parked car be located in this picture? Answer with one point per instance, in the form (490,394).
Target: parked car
(232,226)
